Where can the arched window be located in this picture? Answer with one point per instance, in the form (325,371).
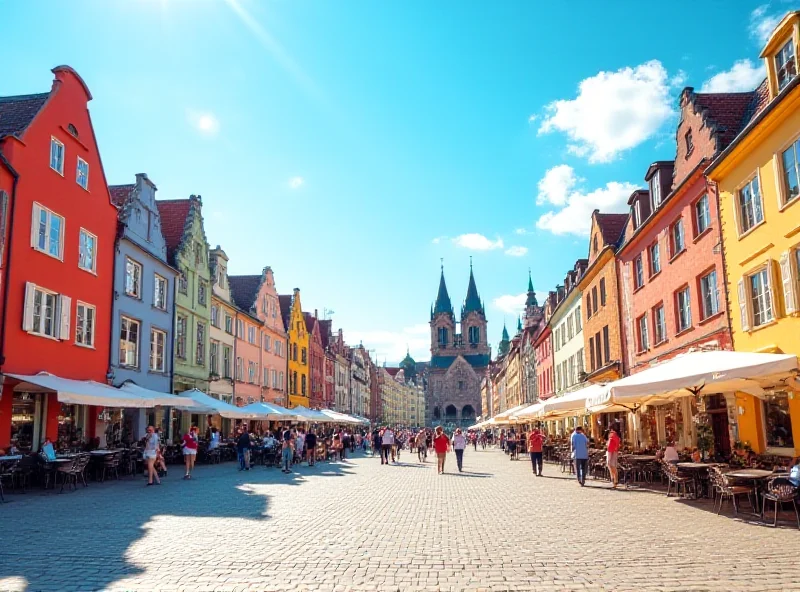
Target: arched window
(73,130)
(450,413)
(443,337)
(474,335)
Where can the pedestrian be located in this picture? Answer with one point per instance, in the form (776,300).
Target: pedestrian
(376,443)
(612,452)
(422,451)
(243,446)
(387,445)
(190,451)
(311,447)
(474,439)
(287,450)
(300,445)
(151,444)
(440,444)
(579,444)
(459,444)
(535,441)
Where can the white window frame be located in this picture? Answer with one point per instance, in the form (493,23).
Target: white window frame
(267,342)
(137,293)
(739,211)
(674,234)
(215,316)
(711,291)
(202,290)
(85,184)
(766,297)
(786,57)
(655,189)
(154,333)
(85,331)
(200,345)
(679,310)
(60,313)
(38,209)
(214,350)
(93,267)
(654,258)
(157,279)
(638,267)
(707,214)
(784,197)
(659,324)
(183,284)
(181,336)
(137,344)
(55,142)
(643,331)
(251,335)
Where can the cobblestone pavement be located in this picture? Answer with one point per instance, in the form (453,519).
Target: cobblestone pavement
(362,526)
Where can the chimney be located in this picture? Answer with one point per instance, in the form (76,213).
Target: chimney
(316,313)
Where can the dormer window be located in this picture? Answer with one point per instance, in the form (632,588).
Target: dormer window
(637,214)
(655,189)
(785,65)
(689,142)
(594,244)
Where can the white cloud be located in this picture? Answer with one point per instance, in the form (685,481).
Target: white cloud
(574,217)
(521,231)
(532,118)
(762,23)
(517,251)
(477,242)
(613,112)
(511,303)
(744,75)
(556,185)
(391,345)
(203,121)
(296,182)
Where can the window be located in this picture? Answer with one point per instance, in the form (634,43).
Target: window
(655,189)
(200,352)
(251,372)
(578,319)
(659,324)
(750,209)
(644,342)
(684,309)
(294,352)
(638,273)
(239,369)
(133,278)
(279,348)
(47,232)
(761,298)
(303,356)
(183,284)
(785,66)
(442,333)
(602,291)
(778,421)
(594,244)
(266,377)
(588,306)
(268,344)
(474,335)
(240,328)
(702,216)
(202,291)
(129,342)
(215,316)
(46,313)
(598,349)
(160,292)
(181,330)
(82,174)
(689,142)
(594,297)
(592,363)
(84,324)
(606,346)
(213,357)
(709,294)
(226,361)
(791,172)
(198,254)
(158,342)
(303,380)
(56,156)
(229,324)
(655,259)
(221,277)
(251,334)
(87,252)
(637,214)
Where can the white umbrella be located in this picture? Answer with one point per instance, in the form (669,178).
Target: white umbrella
(214,406)
(569,404)
(270,412)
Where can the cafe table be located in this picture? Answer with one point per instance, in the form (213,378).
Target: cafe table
(641,457)
(10,457)
(698,470)
(756,476)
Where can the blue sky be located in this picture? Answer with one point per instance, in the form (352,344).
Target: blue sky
(351,145)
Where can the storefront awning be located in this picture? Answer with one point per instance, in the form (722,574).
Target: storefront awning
(307,414)
(212,406)
(699,373)
(505,416)
(337,417)
(83,392)
(157,398)
(270,412)
(569,404)
(528,413)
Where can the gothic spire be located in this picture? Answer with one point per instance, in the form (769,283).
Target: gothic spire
(519,325)
(443,304)
(531,301)
(505,344)
(473,301)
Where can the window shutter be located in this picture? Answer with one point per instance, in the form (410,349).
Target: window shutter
(787,275)
(35,226)
(774,285)
(64,312)
(743,309)
(27,315)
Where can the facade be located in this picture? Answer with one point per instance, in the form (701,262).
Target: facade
(56,260)
(247,375)
(316,361)
(543,352)
(257,295)
(567,326)
(359,381)
(533,325)
(757,179)
(602,335)
(187,251)
(297,337)
(342,401)
(459,357)
(222,339)
(144,289)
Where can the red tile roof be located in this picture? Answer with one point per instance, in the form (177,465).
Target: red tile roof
(173,213)
(285,301)
(17,113)
(325,328)
(611,226)
(392,371)
(244,290)
(120,193)
(729,113)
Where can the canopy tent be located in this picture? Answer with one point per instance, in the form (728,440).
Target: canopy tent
(270,412)
(158,398)
(84,392)
(212,406)
(573,403)
(696,372)
(306,414)
(528,413)
(336,417)
(361,419)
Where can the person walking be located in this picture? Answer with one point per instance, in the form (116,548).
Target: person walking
(287,451)
(535,441)
(387,445)
(459,444)
(190,451)
(151,444)
(376,443)
(311,447)
(441,443)
(243,446)
(579,444)
(422,449)
(612,452)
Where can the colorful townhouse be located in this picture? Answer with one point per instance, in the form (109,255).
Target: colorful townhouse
(298,337)
(341,370)
(57,235)
(144,291)
(257,295)
(316,361)
(247,362)
(758,180)
(328,364)
(566,323)
(602,339)
(222,339)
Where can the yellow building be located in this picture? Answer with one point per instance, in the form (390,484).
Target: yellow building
(758,181)
(295,324)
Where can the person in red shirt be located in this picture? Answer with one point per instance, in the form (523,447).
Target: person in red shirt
(612,452)
(440,444)
(190,451)
(535,441)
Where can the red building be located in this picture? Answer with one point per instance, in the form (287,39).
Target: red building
(329,368)
(543,354)
(316,362)
(57,232)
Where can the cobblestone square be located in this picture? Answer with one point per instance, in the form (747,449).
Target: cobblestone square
(362,526)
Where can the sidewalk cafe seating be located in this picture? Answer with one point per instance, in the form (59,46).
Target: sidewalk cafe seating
(7,473)
(779,491)
(684,485)
(725,487)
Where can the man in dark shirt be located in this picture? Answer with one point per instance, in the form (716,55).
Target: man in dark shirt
(311,447)
(243,446)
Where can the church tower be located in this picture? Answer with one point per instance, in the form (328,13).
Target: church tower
(505,343)
(443,321)
(534,314)
(473,320)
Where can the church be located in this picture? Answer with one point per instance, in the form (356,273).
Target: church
(459,357)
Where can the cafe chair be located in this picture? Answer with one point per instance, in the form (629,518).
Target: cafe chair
(67,471)
(779,491)
(25,470)
(79,469)
(725,488)
(7,473)
(684,486)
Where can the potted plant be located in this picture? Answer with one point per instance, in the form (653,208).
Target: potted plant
(705,435)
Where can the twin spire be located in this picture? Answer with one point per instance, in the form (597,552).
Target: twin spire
(472,303)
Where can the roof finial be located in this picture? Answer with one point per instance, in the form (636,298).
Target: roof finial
(441,260)
(470,262)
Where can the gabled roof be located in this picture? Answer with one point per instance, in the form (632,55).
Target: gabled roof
(244,290)
(392,371)
(310,321)
(173,213)
(325,328)
(611,227)
(729,113)
(285,300)
(17,113)
(120,193)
